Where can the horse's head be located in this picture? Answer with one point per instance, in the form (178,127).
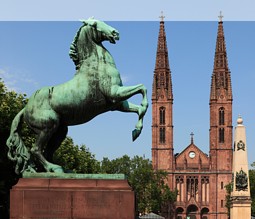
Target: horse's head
(93,32)
(103,31)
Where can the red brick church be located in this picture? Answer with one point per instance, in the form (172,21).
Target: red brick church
(200,179)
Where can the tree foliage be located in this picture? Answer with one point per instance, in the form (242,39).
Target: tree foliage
(152,192)
(10,104)
(252,188)
(229,188)
(115,166)
(74,158)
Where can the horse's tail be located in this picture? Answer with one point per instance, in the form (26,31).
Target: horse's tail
(17,149)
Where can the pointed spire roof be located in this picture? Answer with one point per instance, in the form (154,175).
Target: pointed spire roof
(162,74)
(221,79)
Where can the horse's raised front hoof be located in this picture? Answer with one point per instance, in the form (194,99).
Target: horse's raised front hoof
(135,134)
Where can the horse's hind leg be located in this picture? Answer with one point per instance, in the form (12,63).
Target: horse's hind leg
(42,140)
(55,141)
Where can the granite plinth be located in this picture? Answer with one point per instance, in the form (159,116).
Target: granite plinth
(55,198)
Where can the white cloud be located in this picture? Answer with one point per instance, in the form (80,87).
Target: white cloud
(124,79)
(17,81)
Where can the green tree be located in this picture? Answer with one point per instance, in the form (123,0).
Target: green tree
(10,104)
(152,193)
(74,158)
(229,188)
(168,200)
(118,165)
(252,188)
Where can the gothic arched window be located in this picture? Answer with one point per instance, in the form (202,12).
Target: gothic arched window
(221,135)
(221,116)
(162,113)
(162,135)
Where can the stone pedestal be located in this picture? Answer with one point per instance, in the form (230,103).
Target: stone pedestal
(240,208)
(50,198)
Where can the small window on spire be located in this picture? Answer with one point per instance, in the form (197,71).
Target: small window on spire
(162,135)
(221,135)
(221,116)
(162,79)
(222,76)
(162,115)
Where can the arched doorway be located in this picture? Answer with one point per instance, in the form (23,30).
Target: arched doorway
(179,213)
(204,213)
(192,212)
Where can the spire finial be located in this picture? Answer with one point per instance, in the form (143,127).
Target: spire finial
(220,16)
(162,16)
(239,120)
(192,139)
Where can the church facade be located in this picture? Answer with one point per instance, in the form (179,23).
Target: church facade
(199,178)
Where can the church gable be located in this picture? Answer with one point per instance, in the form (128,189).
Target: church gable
(192,158)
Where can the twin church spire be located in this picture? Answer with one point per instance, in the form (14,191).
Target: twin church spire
(162,106)
(221,80)
(162,102)
(162,81)
(198,177)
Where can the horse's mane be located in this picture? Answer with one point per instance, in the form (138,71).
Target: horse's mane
(73,52)
(80,49)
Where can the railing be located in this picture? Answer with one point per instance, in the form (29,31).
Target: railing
(193,166)
(179,167)
(205,167)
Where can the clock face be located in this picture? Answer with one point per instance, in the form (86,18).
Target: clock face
(192,154)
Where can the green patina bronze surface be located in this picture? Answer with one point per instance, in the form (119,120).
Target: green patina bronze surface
(95,88)
(241,181)
(73,176)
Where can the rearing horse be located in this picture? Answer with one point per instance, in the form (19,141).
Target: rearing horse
(96,88)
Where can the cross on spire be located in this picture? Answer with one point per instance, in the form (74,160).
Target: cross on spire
(220,16)
(192,135)
(162,16)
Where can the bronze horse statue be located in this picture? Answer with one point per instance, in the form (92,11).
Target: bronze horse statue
(96,88)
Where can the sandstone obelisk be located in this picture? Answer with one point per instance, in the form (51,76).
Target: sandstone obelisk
(240,196)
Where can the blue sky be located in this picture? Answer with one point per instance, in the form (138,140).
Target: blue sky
(35,54)
(131,10)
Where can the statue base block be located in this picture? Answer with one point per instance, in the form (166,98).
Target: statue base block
(50,198)
(240,207)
